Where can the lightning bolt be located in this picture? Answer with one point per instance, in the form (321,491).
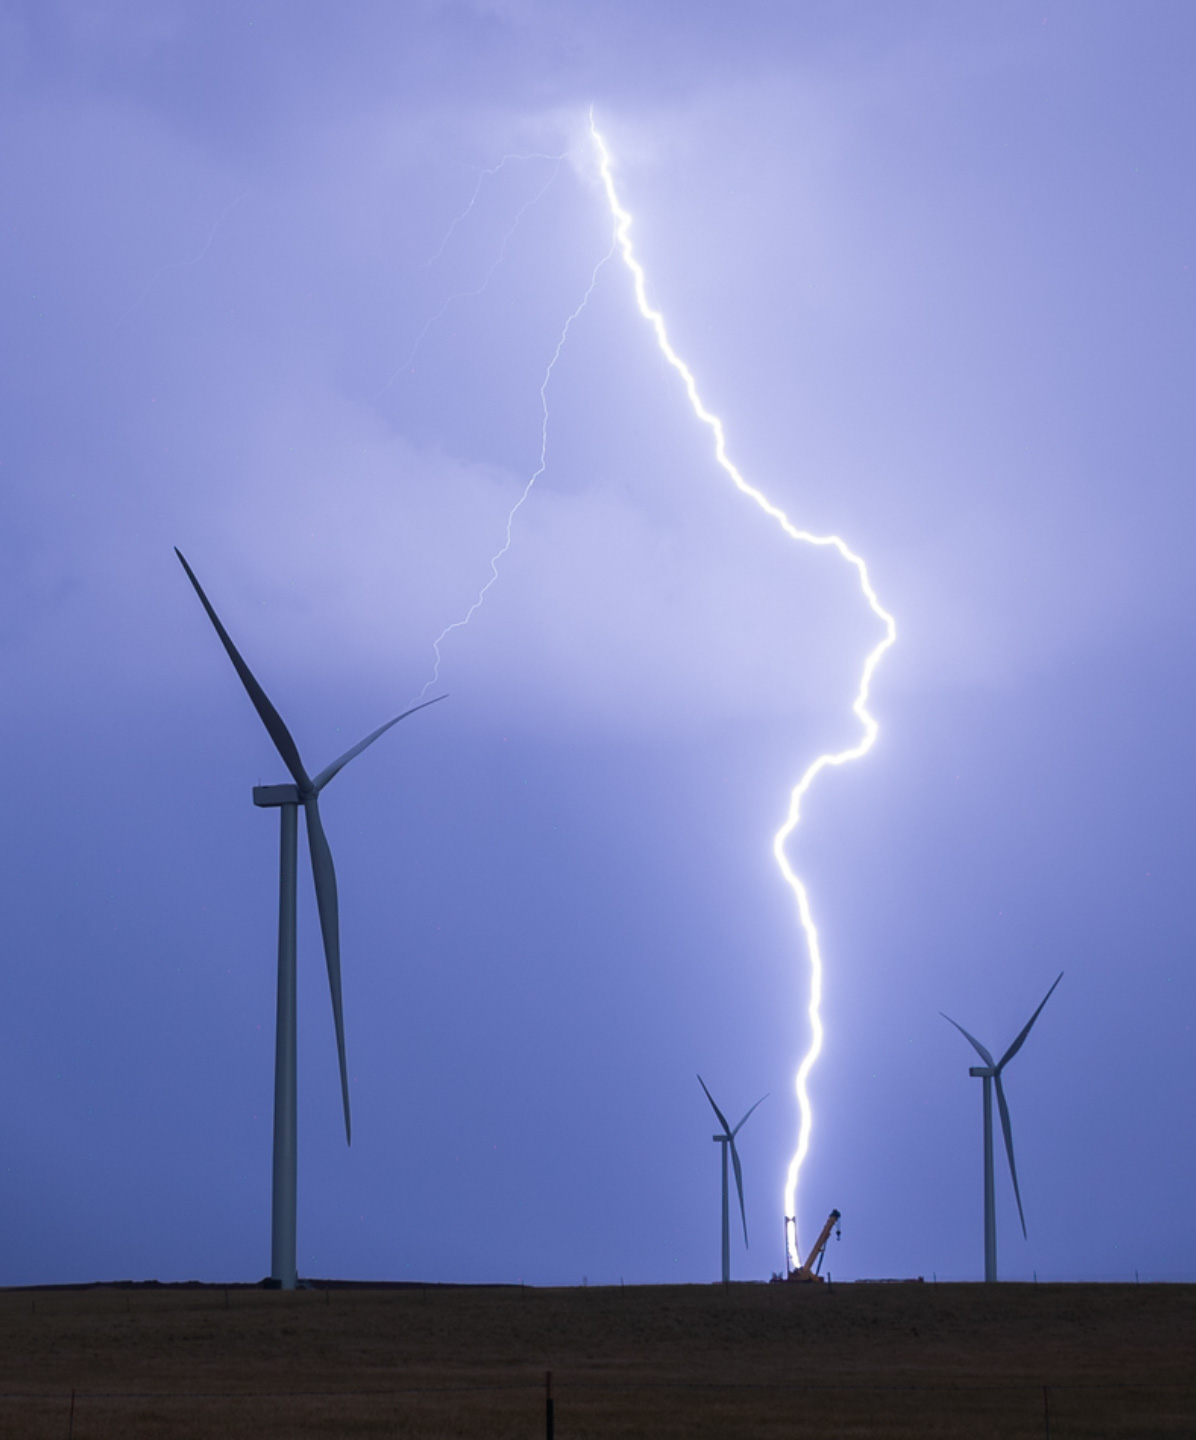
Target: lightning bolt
(623,221)
(179,264)
(498,259)
(483,176)
(541,466)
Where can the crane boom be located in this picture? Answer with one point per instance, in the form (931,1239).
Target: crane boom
(813,1261)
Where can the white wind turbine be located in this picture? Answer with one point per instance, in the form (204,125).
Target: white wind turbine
(727,1141)
(990,1073)
(287,799)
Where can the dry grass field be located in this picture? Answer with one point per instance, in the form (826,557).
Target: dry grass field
(906,1360)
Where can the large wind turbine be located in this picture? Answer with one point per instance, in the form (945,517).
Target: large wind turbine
(990,1073)
(727,1141)
(287,799)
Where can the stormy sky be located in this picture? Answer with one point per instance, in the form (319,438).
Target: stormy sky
(281,285)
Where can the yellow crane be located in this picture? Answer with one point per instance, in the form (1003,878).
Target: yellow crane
(813,1262)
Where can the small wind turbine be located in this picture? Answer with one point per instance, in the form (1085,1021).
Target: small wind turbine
(287,799)
(990,1073)
(727,1141)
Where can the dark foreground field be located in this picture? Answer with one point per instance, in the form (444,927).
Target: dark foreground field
(912,1361)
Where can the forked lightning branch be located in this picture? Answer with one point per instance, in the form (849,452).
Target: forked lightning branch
(623,222)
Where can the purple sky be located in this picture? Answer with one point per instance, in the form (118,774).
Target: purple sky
(934,267)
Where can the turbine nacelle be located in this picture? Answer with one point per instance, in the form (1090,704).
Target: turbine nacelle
(269,797)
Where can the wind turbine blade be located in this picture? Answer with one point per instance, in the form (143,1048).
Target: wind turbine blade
(722,1119)
(976,1045)
(1007,1128)
(270,717)
(739,1187)
(325,879)
(1021,1039)
(337,766)
(744,1121)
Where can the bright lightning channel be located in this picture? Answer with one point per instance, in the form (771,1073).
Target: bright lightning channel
(655,319)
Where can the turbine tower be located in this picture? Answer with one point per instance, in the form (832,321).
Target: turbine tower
(990,1073)
(727,1141)
(287,799)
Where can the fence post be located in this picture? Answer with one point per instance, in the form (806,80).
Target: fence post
(70,1424)
(549,1416)
(1046,1410)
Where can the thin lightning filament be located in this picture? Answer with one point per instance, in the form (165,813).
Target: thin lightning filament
(655,319)
(509,535)
(497,261)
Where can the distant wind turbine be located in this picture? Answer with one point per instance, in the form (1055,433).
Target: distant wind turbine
(990,1073)
(727,1141)
(287,799)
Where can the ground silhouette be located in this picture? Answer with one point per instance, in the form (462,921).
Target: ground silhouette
(748,1360)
